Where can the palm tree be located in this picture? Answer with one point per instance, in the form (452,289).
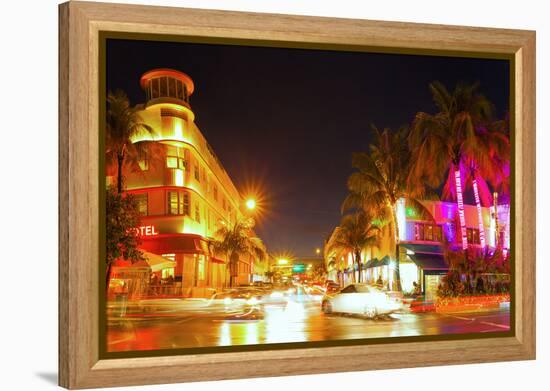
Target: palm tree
(487,164)
(497,140)
(237,240)
(381,181)
(355,232)
(445,143)
(124,123)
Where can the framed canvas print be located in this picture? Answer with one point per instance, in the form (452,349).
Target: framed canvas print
(247,195)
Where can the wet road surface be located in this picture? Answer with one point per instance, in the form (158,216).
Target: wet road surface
(295,322)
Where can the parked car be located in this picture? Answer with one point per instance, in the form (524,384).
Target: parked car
(361,299)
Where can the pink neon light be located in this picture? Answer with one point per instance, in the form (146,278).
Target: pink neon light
(479,216)
(460,202)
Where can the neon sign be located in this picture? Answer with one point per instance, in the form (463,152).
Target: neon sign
(461,210)
(479,215)
(147,230)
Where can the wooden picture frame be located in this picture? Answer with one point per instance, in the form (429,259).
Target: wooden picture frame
(79,31)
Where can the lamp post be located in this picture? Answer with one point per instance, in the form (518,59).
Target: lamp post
(250,205)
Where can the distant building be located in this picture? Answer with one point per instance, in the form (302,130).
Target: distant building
(309,268)
(184,193)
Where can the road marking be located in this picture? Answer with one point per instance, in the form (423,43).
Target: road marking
(461,317)
(495,325)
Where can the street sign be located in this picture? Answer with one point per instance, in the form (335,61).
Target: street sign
(298,268)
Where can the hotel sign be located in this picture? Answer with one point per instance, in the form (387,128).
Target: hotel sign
(147,230)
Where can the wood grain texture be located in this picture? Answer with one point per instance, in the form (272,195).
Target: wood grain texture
(80,23)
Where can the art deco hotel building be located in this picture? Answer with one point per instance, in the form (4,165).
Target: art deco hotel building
(183,191)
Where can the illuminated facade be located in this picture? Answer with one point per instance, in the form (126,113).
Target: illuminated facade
(421,244)
(182,189)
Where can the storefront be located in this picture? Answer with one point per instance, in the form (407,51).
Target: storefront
(151,276)
(128,281)
(196,272)
(377,272)
(425,265)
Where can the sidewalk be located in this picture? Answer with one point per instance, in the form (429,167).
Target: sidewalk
(459,304)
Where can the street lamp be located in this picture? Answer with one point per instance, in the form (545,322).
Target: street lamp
(250,204)
(317,251)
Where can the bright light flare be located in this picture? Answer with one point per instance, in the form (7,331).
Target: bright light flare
(251,204)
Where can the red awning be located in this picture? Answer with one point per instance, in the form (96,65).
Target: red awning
(187,244)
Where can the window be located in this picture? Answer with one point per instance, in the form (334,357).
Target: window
(428,232)
(438,233)
(168,272)
(472,235)
(178,203)
(197,213)
(144,164)
(223,203)
(163,86)
(142,203)
(362,289)
(186,204)
(155,88)
(148,91)
(171,162)
(179,87)
(197,174)
(348,289)
(175,162)
(216,192)
(419,231)
(173,203)
(172,87)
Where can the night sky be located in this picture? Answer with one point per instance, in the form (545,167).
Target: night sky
(287,120)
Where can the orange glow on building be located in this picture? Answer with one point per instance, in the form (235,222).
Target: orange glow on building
(183,190)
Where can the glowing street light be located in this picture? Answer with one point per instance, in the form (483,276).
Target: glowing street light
(251,204)
(317,251)
(282,262)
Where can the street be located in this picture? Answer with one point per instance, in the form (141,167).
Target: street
(295,322)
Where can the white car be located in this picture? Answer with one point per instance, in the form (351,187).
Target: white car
(361,299)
